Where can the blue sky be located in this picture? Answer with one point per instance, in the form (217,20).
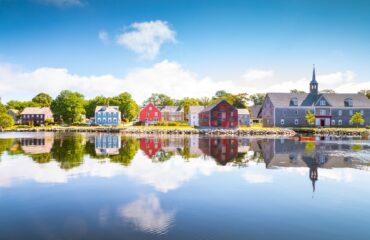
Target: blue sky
(245,46)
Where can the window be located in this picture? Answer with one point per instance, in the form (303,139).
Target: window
(348,102)
(296,112)
(339,112)
(322,103)
(340,122)
(294,101)
(98,120)
(296,121)
(150,108)
(156,114)
(332,122)
(362,112)
(350,122)
(282,122)
(351,112)
(322,112)
(114,119)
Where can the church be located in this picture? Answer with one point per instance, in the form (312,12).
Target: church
(330,109)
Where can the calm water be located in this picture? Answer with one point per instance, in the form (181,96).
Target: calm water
(117,187)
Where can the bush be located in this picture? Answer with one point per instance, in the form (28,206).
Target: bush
(22,126)
(6,121)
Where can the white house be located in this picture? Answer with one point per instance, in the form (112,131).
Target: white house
(194,115)
(107,115)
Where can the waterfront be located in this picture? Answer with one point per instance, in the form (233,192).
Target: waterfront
(93,186)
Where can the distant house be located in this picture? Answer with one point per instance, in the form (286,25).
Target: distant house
(243,117)
(14,114)
(172,113)
(330,109)
(150,115)
(221,114)
(194,115)
(36,115)
(107,115)
(254,114)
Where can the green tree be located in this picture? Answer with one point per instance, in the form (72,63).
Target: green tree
(257,98)
(68,150)
(127,152)
(357,119)
(310,118)
(43,100)
(237,100)
(159,99)
(20,105)
(296,91)
(204,101)
(185,103)
(90,105)
(2,108)
(68,106)
(127,105)
(6,121)
(365,92)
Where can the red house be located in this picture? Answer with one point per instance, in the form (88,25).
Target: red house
(150,115)
(221,114)
(150,146)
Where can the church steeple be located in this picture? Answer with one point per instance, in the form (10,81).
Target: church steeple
(314,84)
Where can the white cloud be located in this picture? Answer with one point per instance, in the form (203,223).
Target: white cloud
(62,3)
(251,177)
(146,38)
(147,215)
(103,36)
(256,74)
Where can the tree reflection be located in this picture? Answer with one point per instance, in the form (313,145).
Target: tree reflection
(68,150)
(5,145)
(127,152)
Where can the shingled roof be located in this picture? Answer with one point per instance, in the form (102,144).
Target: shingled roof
(37,110)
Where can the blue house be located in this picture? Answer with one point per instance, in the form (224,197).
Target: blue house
(107,115)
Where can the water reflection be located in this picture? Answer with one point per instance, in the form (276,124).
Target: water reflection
(166,162)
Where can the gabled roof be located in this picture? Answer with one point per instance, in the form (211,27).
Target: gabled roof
(172,109)
(107,109)
(255,110)
(37,110)
(337,99)
(210,107)
(195,109)
(243,111)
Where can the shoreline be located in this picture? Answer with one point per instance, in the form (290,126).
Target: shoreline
(194,131)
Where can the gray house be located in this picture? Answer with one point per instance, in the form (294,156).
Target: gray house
(330,109)
(243,117)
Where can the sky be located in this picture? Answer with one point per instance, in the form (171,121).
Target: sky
(181,48)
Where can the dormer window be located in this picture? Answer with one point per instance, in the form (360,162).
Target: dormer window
(322,103)
(294,101)
(348,102)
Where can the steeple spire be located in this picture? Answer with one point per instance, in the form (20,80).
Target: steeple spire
(314,84)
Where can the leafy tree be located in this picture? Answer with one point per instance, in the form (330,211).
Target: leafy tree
(43,100)
(186,103)
(20,105)
(127,152)
(365,92)
(127,105)
(327,91)
(204,101)
(159,99)
(237,100)
(357,118)
(68,150)
(6,121)
(90,105)
(310,118)
(296,91)
(257,98)
(2,108)
(68,106)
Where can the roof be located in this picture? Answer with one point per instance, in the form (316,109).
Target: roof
(255,110)
(172,109)
(37,110)
(243,111)
(308,99)
(195,109)
(13,111)
(107,109)
(337,99)
(210,107)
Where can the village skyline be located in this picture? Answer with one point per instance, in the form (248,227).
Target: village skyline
(181,50)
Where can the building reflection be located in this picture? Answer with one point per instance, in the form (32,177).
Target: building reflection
(223,150)
(107,144)
(37,145)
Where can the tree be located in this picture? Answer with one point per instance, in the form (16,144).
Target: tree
(43,100)
(20,105)
(159,99)
(365,92)
(204,101)
(239,100)
(90,105)
(327,91)
(68,150)
(258,98)
(310,118)
(127,105)
(2,108)
(296,91)
(357,119)
(6,121)
(186,103)
(69,106)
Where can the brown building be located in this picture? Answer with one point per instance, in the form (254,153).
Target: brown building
(172,114)
(36,115)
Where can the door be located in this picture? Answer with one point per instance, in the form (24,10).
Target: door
(322,122)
